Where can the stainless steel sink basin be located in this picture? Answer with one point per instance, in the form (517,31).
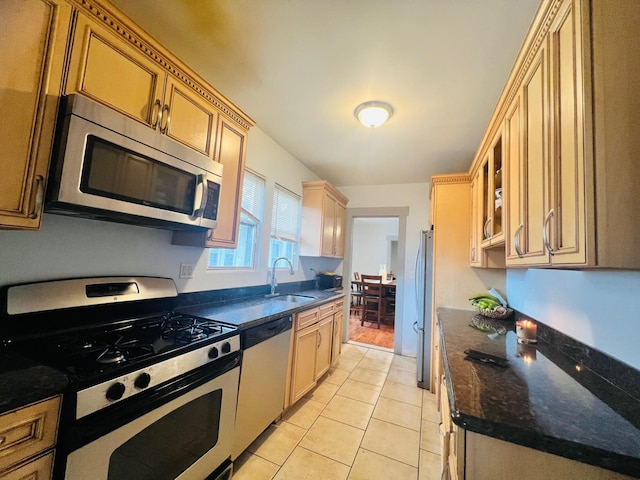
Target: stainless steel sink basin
(293,298)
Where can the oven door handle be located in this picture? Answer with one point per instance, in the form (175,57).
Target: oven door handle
(94,426)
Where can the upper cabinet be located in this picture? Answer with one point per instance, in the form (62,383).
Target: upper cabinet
(323,220)
(231,143)
(578,165)
(490,202)
(101,61)
(569,141)
(99,52)
(33,40)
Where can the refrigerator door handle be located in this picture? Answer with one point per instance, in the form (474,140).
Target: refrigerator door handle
(416,279)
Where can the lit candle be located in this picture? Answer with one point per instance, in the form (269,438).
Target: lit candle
(526,331)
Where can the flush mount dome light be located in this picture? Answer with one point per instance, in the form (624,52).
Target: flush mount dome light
(373,114)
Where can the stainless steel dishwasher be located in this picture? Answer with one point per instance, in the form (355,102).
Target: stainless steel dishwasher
(263,378)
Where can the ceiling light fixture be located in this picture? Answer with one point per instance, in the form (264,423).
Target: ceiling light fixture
(373,114)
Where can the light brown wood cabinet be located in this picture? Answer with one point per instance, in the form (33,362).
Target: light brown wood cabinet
(231,146)
(338,325)
(316,345)
(487,208)
(28,438)
(33,41)
(451,215)
(323,220)
(490,203)
(567,120)
(105,67)
(166,95)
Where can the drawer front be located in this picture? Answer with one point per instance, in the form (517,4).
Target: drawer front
(326,310)
(28,431)
(38,469)
(306,318)
(338,305)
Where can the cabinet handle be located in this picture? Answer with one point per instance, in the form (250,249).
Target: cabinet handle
(166,113)
(473,254)
(516,241)
(156,114)
(2,440)
(319,339)
(446,472)
(486,228)
(545,237)
(39,197)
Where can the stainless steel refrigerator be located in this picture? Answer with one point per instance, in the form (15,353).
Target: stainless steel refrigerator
(423,294)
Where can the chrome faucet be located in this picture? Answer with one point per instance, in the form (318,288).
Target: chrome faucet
(273,275)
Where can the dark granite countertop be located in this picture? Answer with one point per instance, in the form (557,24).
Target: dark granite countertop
(543,399)
(23,381)
(253,311)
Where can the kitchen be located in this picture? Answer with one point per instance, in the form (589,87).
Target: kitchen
(596,307)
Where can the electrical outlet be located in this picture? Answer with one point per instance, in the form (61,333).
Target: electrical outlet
(186,270)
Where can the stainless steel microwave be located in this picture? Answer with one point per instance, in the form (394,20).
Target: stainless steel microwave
(111,167)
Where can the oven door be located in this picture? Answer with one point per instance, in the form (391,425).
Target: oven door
(186,438)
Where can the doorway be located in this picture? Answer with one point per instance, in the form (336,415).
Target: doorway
(374,249)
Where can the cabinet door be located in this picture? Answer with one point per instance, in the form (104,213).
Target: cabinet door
(328,225)
(338,319)
(230,152)
(109,70)
(534,161)
(325,340)
(340,227)
(475,256)
(567,229)
(514,192)
(305,347)
(188,118)
(33,39)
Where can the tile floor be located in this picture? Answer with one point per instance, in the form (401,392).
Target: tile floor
(365,420)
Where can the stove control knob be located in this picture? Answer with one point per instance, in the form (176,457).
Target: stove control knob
(142,381)
(115,391)
(226,347)
(213,353)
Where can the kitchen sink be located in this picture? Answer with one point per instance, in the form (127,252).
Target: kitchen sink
(294,298)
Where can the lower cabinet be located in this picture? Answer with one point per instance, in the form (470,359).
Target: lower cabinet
(27,439)
(316,345)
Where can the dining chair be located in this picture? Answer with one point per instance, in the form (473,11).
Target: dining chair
(356,296)
(371,299)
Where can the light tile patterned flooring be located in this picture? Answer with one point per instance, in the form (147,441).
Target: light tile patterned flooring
(365,420)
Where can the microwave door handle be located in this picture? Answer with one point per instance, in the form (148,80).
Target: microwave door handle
(200,200)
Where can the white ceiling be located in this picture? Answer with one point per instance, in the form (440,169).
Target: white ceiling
(300,67)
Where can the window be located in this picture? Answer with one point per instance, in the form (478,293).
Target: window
(285,226)
(251,217)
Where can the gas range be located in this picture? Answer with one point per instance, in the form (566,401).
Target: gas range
(152,393)
(114,337)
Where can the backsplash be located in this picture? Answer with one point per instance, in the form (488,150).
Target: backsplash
(612,370)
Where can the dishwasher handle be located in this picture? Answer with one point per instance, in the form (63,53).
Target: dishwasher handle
(255,335)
